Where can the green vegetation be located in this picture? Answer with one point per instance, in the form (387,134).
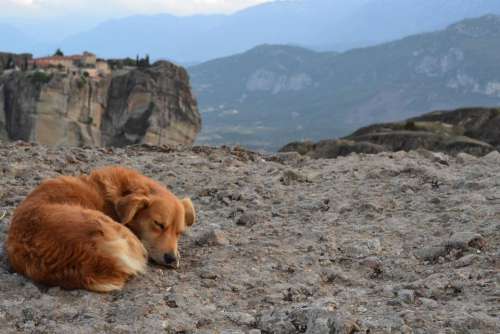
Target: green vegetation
(82,81)
(129,62)
(40,78)
(88,120)
(117,64)
(410,126)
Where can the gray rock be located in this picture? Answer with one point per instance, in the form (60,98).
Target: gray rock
(474,322)
(465,158)
(406,296)
(209,273)
(311,319)
(249,219)
(466,260)
(290,177)
(212,238)
(288,157)
(241,318)
(464,240)
(431,253)
(388,291)
(438,157)
(323,321)
(275,322)
(428,303)
(362,248)
(337,276)
(493,157)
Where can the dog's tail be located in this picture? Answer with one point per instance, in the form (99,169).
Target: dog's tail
(72,247)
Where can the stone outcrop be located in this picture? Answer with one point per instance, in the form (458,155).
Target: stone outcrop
(151,105)
(471,130)
(332,148)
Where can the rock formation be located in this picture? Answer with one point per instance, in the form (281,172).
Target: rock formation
(150,105)
(471,130)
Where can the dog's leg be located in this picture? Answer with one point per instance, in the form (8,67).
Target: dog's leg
(72,247)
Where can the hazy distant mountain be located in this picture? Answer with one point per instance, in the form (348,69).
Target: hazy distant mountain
(200,38)
(379,21)
(271,95)
(317,24)
(323,24)
(39,36)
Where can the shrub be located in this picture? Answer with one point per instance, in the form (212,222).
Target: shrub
(82,82)
(40,77)
(410,126)
(89,120)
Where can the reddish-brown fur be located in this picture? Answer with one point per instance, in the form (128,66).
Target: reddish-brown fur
(95,231)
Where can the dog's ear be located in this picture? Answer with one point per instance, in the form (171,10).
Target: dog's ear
(128,206)
(190,214)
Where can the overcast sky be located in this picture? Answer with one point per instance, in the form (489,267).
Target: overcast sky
(111,8)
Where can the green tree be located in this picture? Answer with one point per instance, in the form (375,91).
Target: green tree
(59,53)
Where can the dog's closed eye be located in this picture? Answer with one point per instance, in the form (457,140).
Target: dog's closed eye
(159,225)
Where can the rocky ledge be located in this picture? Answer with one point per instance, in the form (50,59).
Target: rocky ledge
(473,130)
(81,106)
(388,243)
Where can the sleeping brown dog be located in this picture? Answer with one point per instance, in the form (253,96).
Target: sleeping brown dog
(96,231)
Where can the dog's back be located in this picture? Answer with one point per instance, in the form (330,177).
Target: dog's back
(60,235)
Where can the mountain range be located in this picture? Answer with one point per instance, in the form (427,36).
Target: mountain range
(318,24)
(274,94)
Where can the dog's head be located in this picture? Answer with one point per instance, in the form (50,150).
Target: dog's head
(158,221)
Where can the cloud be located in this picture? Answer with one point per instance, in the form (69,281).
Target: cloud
(120,7)
(20,2)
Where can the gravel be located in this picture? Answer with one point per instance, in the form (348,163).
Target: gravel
(388,243)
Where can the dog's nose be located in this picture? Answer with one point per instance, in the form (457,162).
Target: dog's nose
(171,260)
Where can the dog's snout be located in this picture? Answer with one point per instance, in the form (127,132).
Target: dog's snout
(171,260)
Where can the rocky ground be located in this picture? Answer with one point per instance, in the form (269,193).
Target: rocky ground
(389,243)
(467,130)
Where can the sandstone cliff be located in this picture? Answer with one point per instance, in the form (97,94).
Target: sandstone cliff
(152,105)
